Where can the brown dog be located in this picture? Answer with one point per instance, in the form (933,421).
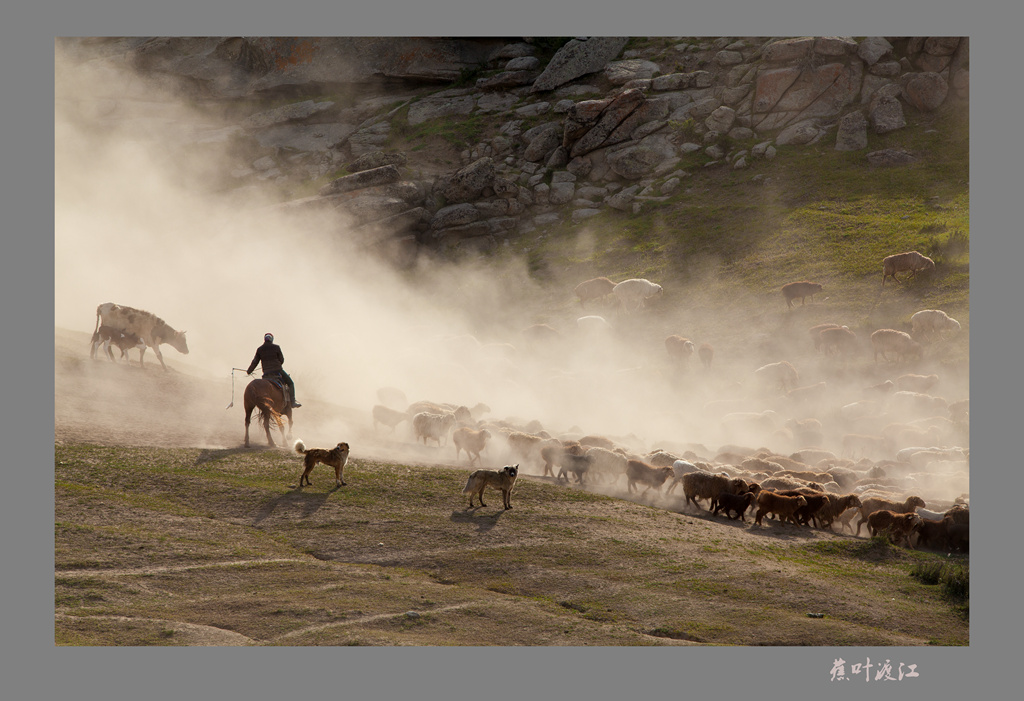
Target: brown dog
(336,457)
(503,479)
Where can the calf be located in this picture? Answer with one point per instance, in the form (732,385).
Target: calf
(105,335)
(146,325)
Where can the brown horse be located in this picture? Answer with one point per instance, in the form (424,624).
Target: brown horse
(268,398)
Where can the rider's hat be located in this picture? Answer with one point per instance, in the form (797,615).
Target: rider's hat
(268,337)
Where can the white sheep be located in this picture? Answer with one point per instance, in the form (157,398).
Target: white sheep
(911,261)
(593,325)
(780,374)
(634,293)
(928,322)
(435,426)
(916,383)
(892,341)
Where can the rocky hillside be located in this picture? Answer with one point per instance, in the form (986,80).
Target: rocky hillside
(464,144)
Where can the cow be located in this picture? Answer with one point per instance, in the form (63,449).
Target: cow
(105,335)
(147,326)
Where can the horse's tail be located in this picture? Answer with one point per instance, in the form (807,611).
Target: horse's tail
(97,321)
(300,447)
(267,412)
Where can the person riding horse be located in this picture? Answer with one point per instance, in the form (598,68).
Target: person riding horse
(272,359)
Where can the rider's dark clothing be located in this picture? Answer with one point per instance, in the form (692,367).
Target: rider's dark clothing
(272,359)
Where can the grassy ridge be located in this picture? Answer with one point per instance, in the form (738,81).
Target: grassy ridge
(159,546)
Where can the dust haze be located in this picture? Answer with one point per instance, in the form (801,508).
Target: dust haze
(143,218)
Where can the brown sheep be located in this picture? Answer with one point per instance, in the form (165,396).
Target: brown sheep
(471,441)
(958,535)
(597,442)
(706,353)
(702,485)
(815,332)
(526,446)
(678,348)
(639,471)
(807,513)
(932,533)
(782,506)
(606,463)
(735,502)
(892,341)
(900,526)
(552,454)
(911,261)
(596,288)
(838,340)
(800,289)
(872,504)
(836,507)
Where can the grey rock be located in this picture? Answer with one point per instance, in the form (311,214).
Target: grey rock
(580,166)
(286,113)
(454,215)
(523,63)
(728,58)
(871,49)
(669,186)
(887,115)
(468,183)
(803,132)
(888,69)
(495,102)
(356,181)
(305,137)
(623,200)
(366,208)
(715,151)
(925,91)
(721,119)
(579,215)
(834,46)
(620,72)
(741,133)
(590,192)
(542,142)
(578,58)
(634,162)
(533,110)
(562,106)
(559,157)
(853,132)
(434,107)
(510,51)
(561,192)
(890,157)
(547,219)
(376,159)
(562,177)
(788,49)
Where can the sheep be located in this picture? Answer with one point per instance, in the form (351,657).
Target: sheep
(780,374)
(806,431)
(958,535)
(808,512)
(436,426)
(916,383)
(392,397)
(735,502)
(918,404)
(634,293)
(801,289)
(911,261)
(892,341)
(553,453)
(425,406)
(703,485)
(838,340)
(837,505)
(808,393)
(929,322)
(526,446)
(593,326)
(899,525)
(679,348)
(639,471)
(750,421)
(859,445)
(812,456)
(595,288)
(388,417)
(597,442)
(660,458)
(959,513)
(606,462)
(471,441)
(781,506)
(815,332)
(680,468)
(579,465)
(872,504)
(706,353)
(931,532)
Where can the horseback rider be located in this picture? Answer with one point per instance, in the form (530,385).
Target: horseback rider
(270,355)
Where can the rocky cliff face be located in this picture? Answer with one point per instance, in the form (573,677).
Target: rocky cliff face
(601,123)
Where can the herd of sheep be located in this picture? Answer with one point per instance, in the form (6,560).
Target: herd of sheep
(869,462)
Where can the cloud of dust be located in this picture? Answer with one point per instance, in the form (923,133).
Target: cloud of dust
(139,221)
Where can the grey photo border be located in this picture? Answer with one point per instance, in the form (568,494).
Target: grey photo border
(33,667)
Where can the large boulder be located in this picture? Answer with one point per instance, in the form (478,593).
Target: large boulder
(357,181)
(853,132)
(468,183)
(634,162)
(621,106)
(577,58)
(872,49)
(621,72)
(925,91)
